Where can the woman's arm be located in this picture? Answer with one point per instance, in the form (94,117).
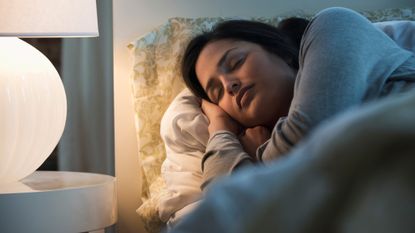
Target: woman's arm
(344,61)
(224,152)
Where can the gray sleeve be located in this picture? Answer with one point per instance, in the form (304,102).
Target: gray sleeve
(340,68)
(286,132)
(224,154)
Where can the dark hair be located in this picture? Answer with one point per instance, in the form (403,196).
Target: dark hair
(294,28)
(270,38)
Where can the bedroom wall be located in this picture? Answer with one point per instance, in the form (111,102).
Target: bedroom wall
(133,18)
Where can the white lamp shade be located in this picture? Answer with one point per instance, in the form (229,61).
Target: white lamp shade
(33,109)
(48,18)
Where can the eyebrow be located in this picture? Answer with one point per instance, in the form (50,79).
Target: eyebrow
(220,63)
(224,56)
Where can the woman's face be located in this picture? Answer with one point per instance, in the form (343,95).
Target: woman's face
(253,86)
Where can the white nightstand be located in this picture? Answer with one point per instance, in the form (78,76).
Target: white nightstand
(58,202)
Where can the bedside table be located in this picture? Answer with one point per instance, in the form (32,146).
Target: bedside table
(58,202)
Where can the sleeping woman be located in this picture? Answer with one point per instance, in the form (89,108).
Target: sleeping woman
(262,95)
(263,91)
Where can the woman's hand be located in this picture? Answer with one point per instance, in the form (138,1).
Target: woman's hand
(219,119)
(252,138)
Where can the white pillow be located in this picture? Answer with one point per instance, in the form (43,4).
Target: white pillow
(184,131)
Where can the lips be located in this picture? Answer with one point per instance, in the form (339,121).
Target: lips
(241,93)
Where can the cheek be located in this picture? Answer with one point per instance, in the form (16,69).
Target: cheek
(229,108)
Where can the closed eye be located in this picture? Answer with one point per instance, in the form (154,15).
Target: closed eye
(214,90)
(237,63)
(217,94)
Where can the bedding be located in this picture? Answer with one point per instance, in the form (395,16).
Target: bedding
(354,174)
(402,32)
(156,81)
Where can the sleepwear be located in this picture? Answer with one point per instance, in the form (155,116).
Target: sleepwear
(344,62)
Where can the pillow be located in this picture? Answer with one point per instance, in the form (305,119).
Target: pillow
(156,81)
(184,132)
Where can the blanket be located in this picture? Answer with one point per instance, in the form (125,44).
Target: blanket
(353,174)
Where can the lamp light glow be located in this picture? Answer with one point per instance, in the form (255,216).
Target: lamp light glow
(32,96)
(33,103)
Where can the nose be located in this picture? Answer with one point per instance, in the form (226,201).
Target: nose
(232,86)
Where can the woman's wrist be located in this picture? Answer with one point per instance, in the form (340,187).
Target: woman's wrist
(221,124)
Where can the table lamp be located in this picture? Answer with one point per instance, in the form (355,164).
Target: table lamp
(32,96)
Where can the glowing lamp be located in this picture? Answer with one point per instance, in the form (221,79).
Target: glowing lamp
(32,96)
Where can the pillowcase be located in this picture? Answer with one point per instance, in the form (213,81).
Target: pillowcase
(184,130)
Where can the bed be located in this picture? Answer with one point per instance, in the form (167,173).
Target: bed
(156,82)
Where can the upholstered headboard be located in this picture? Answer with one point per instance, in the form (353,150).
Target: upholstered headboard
(156,81)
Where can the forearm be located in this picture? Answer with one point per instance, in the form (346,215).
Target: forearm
(224,154)
(287,132)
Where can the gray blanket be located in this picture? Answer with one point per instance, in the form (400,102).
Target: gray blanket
(354,174)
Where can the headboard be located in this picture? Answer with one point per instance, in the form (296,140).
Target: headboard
(156,80)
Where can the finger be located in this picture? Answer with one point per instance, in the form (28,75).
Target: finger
(204,103)
(211,109)
(205,107)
